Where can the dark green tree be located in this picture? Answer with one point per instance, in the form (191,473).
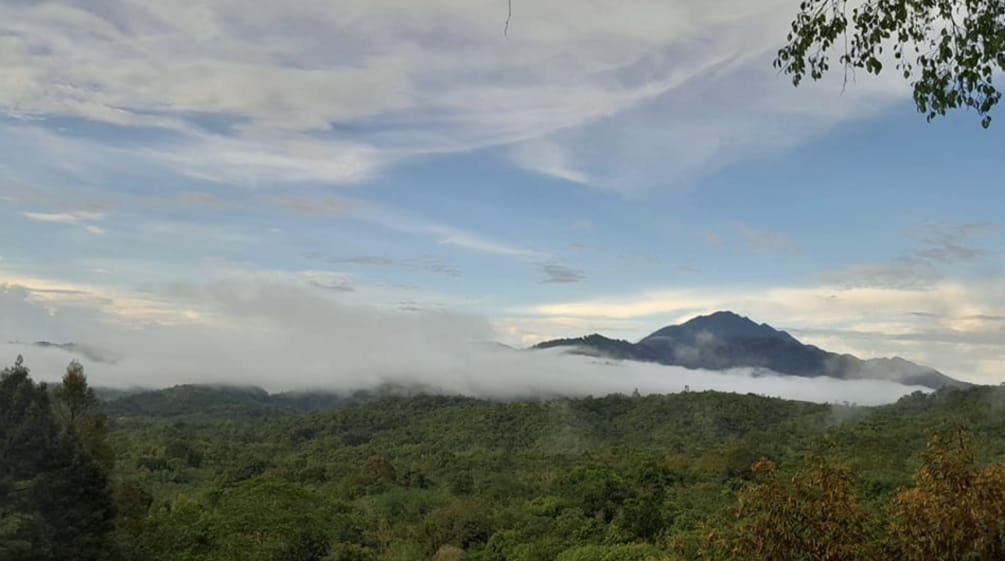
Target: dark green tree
(28,438)
(75,401)
(54,500)
(76,409)
(949,49)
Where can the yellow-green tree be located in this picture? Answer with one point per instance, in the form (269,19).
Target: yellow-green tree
(955,512)
(812,516)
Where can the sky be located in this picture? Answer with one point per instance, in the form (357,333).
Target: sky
(249,185)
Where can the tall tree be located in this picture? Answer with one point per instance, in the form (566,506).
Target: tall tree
(54,503)
(28,439)
(74,399)
(76,409)
(949,49)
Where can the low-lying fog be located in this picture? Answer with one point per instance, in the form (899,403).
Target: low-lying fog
(284,337)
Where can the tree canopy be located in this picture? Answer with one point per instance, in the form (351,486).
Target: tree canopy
(697,476)
(54,500)
(948,49)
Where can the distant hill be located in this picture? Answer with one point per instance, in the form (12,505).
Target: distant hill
(208,401)
(725,340)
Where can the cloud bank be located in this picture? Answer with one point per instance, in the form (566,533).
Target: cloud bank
(288,336)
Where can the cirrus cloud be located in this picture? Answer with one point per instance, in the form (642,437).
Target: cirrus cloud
(335,91)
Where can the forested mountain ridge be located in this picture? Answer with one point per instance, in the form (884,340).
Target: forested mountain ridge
(724,340)
(220,400)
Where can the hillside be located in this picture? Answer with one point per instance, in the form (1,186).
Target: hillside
(214,401)
(405,477)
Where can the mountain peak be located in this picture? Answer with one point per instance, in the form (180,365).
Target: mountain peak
(725,339)
(722,318)
(721,324)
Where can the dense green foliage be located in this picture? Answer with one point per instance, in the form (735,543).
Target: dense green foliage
(210,402)
(949,49)
(687,476)
(55,501)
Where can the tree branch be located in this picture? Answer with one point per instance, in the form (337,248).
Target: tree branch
(509,15)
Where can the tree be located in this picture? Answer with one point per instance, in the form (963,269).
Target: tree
(261,519)
(76,409)
(599,490)
(949,49)
(28,437)
(815,516)
(956,510)
(54,500)
(74,399)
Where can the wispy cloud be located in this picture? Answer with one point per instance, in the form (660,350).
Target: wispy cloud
(334,94)
(274,159)
(476,243)
(765,241)
(328,280)
(83,219)
(423,263)
(446,234)
(938,246)
(558,273)
(905,271)
(319,207)
(952,243)
(548,158)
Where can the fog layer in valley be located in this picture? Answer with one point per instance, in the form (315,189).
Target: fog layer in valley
(289,337)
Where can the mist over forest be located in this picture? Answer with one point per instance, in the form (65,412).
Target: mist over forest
(285,338)
(502,280)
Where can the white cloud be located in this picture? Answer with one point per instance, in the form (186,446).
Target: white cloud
(81,218)
(446,235)
(73,303)
(528,330)
(289,335)
(622,96)
(547,158)
(866,321)
(286,158)
(479,244)
(132,58)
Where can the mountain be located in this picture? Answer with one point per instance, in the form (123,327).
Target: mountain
(597,345)
(727,340)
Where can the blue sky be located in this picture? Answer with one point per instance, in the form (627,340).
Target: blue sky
(600,168)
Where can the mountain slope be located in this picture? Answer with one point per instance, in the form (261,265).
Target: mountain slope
(726,340)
